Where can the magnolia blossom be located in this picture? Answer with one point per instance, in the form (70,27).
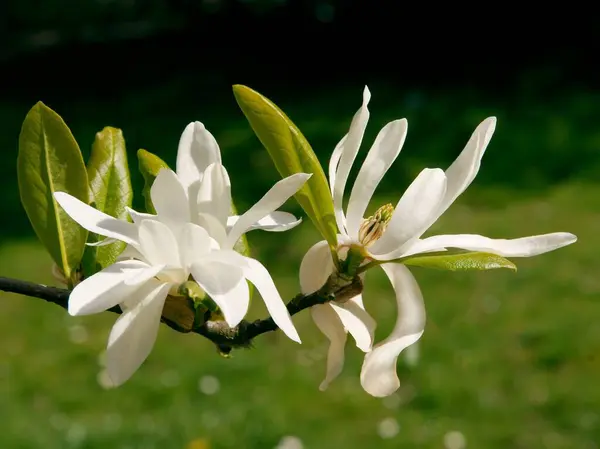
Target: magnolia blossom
(391,233)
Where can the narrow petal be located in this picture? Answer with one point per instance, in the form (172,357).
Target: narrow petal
(133,335)
(158,244)
(521,247)
(412,215)
(137,217)
(464,169)
(329,323)
(382,155)
(256,273)
(169,197)
(378,376)
(95,221)
(105,289)
(356,321)
(334,161)
(197,150)
(103,242)
(349,152)
(227,287)
(194,243)
(272,200)
(214,195)
(277,221)
(315,268)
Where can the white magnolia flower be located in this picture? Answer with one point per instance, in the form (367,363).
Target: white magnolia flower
(393,233)
(157,260)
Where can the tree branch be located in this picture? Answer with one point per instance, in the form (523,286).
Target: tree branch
(179,313)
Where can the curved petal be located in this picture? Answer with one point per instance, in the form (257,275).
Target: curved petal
(356,321)
(273,199)
(169,197)
(158,244)
(277,221)
(334,161)
(227,287)
(197,150)
(412,215)
(133,335)
(382,155)
(315,268)
(214,228)
(521,247)
(103,242)
(137,217)
(214,195)
(193,244)
(329,323)
(105,289)
(95,221)
(256,273)
(378,375)
(349,152)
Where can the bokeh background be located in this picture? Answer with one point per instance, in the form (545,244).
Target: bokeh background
(508,360)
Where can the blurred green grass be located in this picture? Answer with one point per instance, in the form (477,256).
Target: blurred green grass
(509,360)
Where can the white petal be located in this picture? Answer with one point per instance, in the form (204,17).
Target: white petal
(103,242)
(137,217)
(272,200)
(214,196)
(256,273)
(329,323)
(197,150)
(413,213)
(104,289)
(130,253)
(226,285)
(194,243)
(349,152)
(357,321)
(464,169)
(214,228)
(277,221)
(521,247)
(169,197)
(378,376)
(315,268)
(382,155)
(95,221)
(334,161)
(133,335)
(158,244)
(144,275)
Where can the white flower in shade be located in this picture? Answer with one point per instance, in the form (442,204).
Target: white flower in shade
(392,233)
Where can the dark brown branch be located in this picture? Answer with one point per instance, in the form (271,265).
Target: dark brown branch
(180,315)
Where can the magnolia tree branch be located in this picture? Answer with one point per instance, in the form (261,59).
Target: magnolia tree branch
(179,312)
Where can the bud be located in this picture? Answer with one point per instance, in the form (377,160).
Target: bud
(373,227)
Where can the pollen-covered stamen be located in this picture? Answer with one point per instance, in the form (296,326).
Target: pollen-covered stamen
(372,228)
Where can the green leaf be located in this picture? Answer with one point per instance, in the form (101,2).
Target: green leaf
(460,261)
(291,154)
(110,185)
(50,161)
(149,165)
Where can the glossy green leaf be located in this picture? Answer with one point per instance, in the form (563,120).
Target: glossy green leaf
(149,166)
(110,186)
(460,261)
(291,154)
(50,161)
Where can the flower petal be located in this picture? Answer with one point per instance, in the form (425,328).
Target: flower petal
(214,228)
(378,376)
(521,247)
(349,150)
(227,287)
(412,216)
(197,150)
(315,268)
(382,155)
(169,197)
(158,244)
(104,289)
(133,335)
(194,243)
(137,217)
(277,221)
(256,273)
(273,199)
(356,321)
(95,221)
(329,323)
(214,195)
